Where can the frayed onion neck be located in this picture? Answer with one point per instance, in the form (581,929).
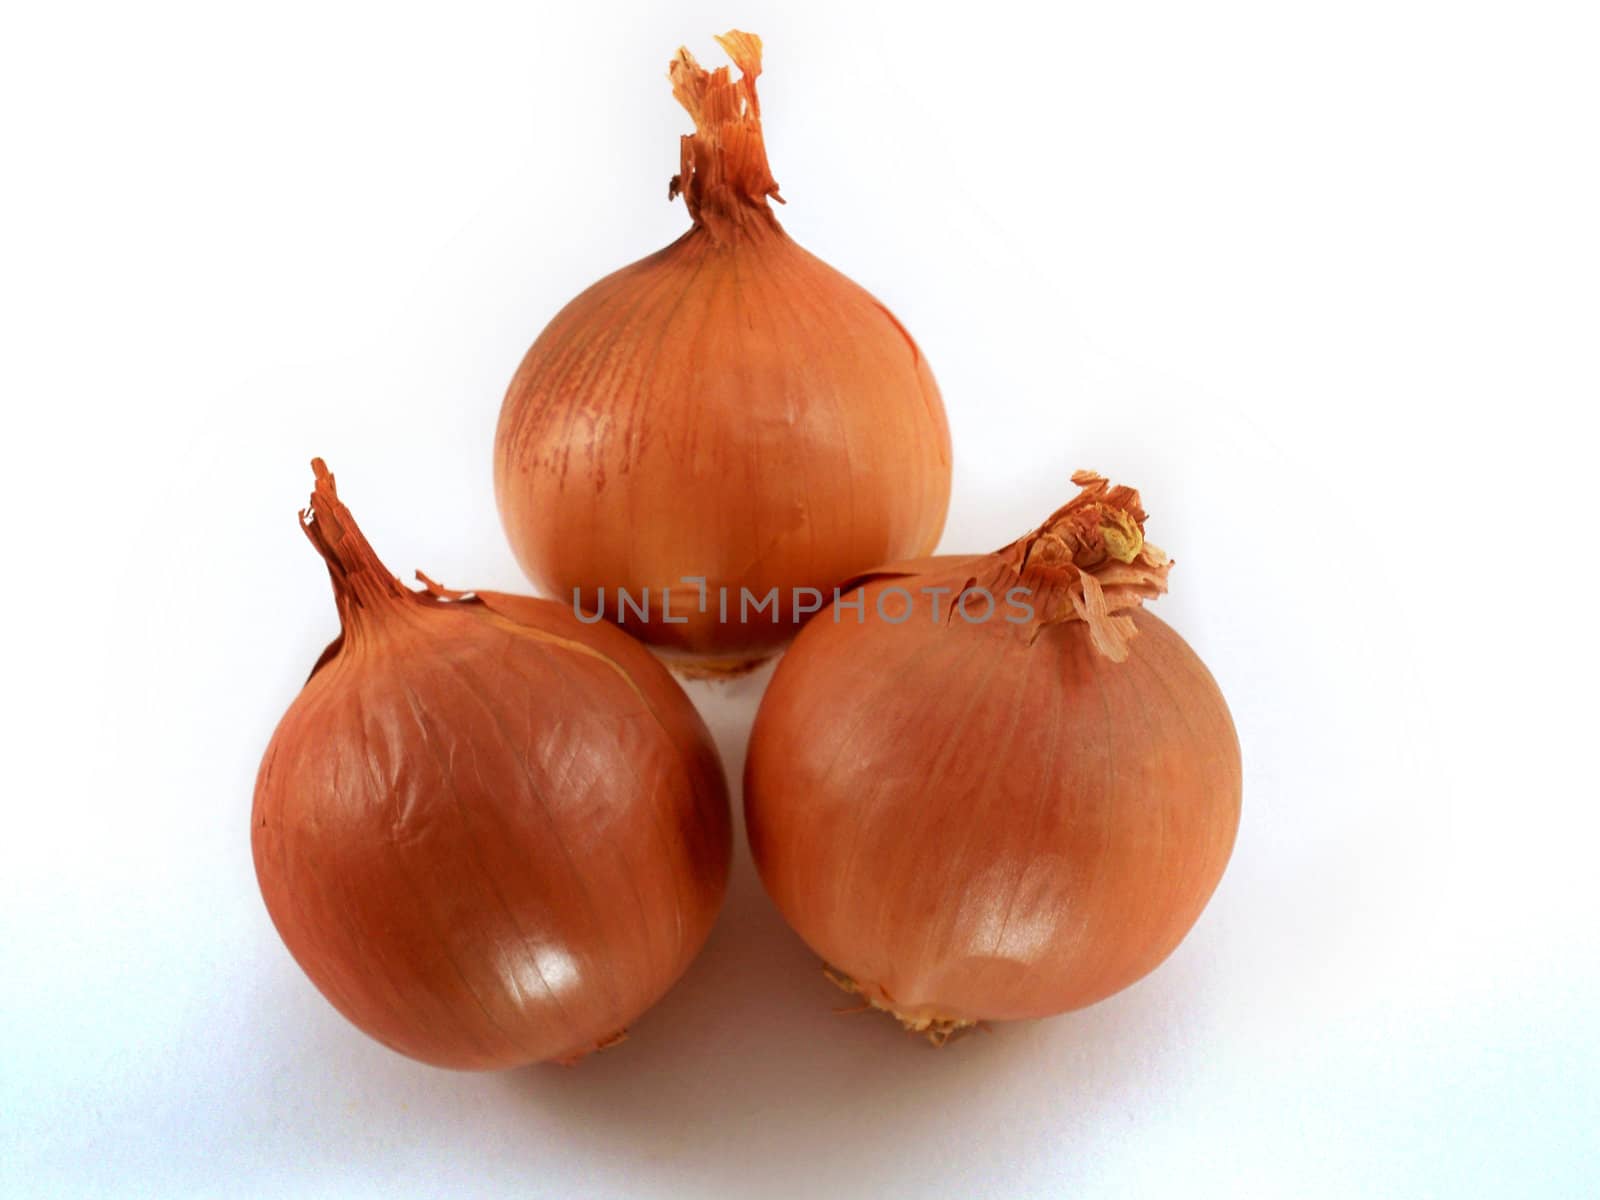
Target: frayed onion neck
(723,174)
(1090,562)
(362,585)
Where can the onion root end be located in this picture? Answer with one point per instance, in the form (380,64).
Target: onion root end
(939,1030)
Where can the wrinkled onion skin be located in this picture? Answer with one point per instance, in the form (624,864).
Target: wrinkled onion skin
(973,828)
(734,409)
(485,849)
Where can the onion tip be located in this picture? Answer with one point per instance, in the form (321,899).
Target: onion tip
(723,174)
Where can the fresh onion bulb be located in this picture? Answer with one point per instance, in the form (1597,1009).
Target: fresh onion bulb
(490,834)
(728,416)
(990,817)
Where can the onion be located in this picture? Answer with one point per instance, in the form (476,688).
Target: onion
(1009,807)
(490,834)
(728,417)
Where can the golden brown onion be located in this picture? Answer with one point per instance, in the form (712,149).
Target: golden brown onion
(490,834)
(730,409)
(988,819)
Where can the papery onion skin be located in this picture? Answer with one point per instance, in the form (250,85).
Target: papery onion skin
(730,408)
(993,821)
(490,835)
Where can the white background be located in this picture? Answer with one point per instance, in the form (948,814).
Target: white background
(1321,279)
